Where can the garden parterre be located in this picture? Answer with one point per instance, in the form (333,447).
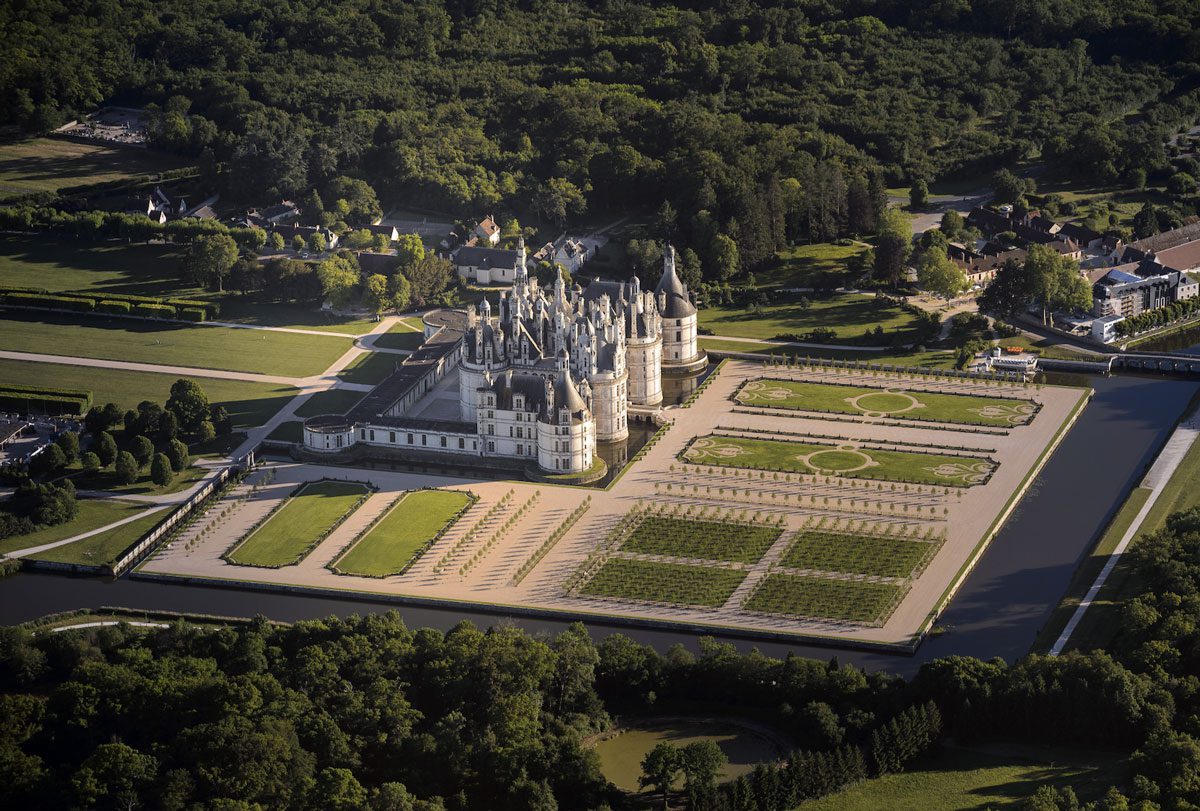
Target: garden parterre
(852,553)
(900,403)
(657,582)
(391,544)
(860,601)
(706,540)
(849,459)
(303,520)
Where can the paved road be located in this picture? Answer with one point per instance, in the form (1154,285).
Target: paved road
(33,550)
(939,204)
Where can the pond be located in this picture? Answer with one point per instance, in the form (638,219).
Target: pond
(621,755)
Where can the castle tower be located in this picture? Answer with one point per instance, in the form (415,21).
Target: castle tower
(479,358)
(679,345)
(566,429)
(644,350)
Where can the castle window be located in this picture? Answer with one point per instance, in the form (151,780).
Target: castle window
(491,415)
(372,435)
(520,433)
(362,433)
(510,430)
(443,442)
(424,439)
(392,437)
(520,449)
(339,440)
(491,447)
(491,430)
(410,439)
(678,335)
(462,443)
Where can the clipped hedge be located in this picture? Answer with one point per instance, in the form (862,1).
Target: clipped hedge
(26,399)
(193,313)
(79,305)
(113,307)
(154,310)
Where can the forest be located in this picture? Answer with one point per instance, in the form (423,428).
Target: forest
(365,713)
(760,122)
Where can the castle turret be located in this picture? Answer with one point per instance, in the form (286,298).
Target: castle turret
(679,321)
(566,429)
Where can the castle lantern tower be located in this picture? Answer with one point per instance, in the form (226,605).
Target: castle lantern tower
(679,321)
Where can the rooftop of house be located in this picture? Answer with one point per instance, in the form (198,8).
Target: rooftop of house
(1182,257)
(474,256)
(488,226)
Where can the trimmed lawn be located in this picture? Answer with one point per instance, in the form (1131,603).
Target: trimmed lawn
(819,265)
(94,267)
(621,755)
(107,480)
(664,582)
(260,311)
(303,520)
(93,514)
(372,368)
(711,540)
(858,554)
(48,164)
(400,336)
(1000,777)
(403,533)
(128,339)
(849,315)
(827,459)
(247,402)
(900,403)
(930,359)
(330,401)
(104,548)
(858,601)
(290,431)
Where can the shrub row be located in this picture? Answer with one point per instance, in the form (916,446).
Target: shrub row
(24,399)
(116,303)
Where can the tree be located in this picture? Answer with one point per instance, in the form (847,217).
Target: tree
(952,224)
(218,415)
(298,243)
(142,449)
(339,276)
(47,462)
(206,432)
(399,292)
(188,403)
(409,250)
(115,776)
(427,278)
(90,462)
(1181,183)
(317,243)
(939,275)
(557,199)
(126,468)
(276,241)
(358,240)
(862,216)
(701,762)
(918,195)
(724,253)
(177,454)
(645,255)
(100,419)
(106,448)
(892,246)
(1056,282)
(160,470)
(338,790)
(689,269)
(375,293)
(1009,291)
(660,768)
(356,202)
(209,259)
(68,441)
(168,426)
(1007,187)
(1146,222)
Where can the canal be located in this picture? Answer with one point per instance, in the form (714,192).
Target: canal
(998,612)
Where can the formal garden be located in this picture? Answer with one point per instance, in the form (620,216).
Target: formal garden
(871,401)
(848,552)
(406,529)
(730,541)
(298,524)
(848,460)
(653,581)
(867,602)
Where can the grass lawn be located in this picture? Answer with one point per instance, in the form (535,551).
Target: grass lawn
(372,368)
(303,520)
(825,598)
(94,267)
(247,402)
(812,457)
(711,540)
(104,548)
(330,401)
(858,554)
(1000,777)
(107,480)
(289,431)
(93,514)
(820,265)
(127,339)
(621,755)
(849,315)
(930,359)
(257,310)
(664,582)
(48,164)
(404,532)
(400,336)
(901,403)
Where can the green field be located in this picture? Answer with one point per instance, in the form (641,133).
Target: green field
(820,265)
(839,460)
(930,359)
(898,403)
(859,601)
(303,520)
(849,315)
(858,554)
(621,755)
(104,548)
(248,403)
(395,541)
(371,368)
(330,401)
(400,336)
(107,480)
(664,582)
(49,164)
(996,778)
(239,350)
(288,431)
(706,540)
(93,514)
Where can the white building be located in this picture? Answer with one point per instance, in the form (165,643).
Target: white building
(551,372)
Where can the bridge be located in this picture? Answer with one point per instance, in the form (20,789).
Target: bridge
(1161,362)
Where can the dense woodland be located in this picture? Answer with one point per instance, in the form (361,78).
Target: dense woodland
(760,122)
(365,713)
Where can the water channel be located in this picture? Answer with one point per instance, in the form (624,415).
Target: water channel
(998,611)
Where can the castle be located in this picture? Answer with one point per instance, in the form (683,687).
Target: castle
(541,380)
